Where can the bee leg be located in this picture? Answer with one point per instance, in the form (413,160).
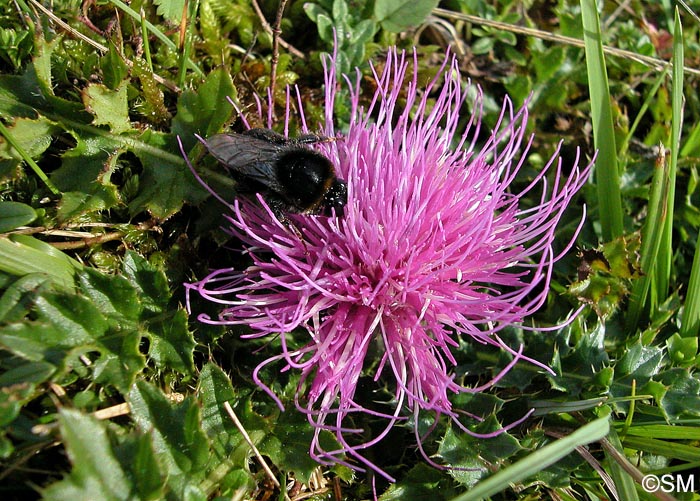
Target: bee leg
(299,235)
(278,208)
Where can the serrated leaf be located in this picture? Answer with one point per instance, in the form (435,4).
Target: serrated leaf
(151,282)
(640,362)
(74,204)
(469,456)
(68,325)
(108,106)
(421,483)
(536,461)
(398,15)
(583,363)
(137,306)
(32,135)
(170,9)
(181,444)
(206,111)
(164,182)
(86,163)
(38,75)
(289,442)
(682,395)
(113,295)
(14,215)
(120,360)
(213,389)
(172,344)
(96,473)
(139,460)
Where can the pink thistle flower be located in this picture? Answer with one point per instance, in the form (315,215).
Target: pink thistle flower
(433,247)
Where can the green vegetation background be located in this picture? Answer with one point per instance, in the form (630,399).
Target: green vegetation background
(101,222)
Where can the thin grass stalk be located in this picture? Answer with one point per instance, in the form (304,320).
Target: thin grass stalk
(690,320)
(651,241)
(606,170)
(663,263)
(5,132)
(146,42)
(650,98)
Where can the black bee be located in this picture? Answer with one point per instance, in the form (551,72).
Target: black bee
(291,177)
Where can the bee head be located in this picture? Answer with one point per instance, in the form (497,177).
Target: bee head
(335,198)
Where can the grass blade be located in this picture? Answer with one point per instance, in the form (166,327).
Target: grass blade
(607,176)
(662,265)
(538,460)
(651,241)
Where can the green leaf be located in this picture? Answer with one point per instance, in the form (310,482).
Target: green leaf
(33,136)
(135,302)
(422,482)
(535,462)
(683,351)
(206,111)
(164,182)
(140,461)
(607,174)
(23,255)
(213,389)
(172,344)
(96,473)
(33,372)
(150,282)
(461,452)
(325,28)
(84,164)
(113,295)
(288,444)
(114,69)
(68,325)
(363,32)
(682,395)
(170,9)
(75,204)
(339,10)
(398,15)
(14,215)
(182,446)
(11,400)
(109,106)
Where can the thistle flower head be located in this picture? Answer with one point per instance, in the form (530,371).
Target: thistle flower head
(433,247)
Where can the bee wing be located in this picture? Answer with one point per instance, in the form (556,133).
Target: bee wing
(248,156)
